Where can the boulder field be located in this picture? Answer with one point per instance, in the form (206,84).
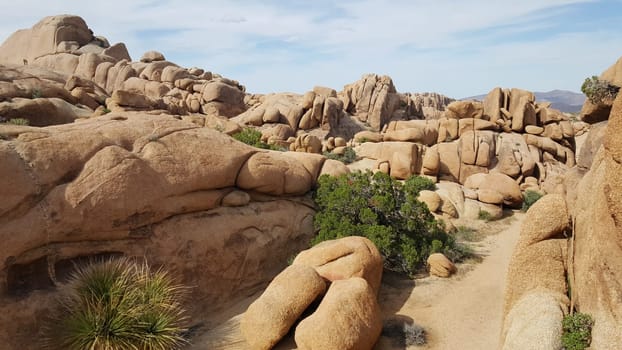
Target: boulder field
(103,156)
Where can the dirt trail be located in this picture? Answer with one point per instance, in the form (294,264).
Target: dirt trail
(460,313)
(463,312)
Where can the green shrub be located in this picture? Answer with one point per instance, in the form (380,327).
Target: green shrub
(404,334)
(106,110)
(118,304)
(36,93)
(598,90)
(529,198)
(577,333)
(348,156)
(385,211)
(484,215)
(252,137)
(18,121)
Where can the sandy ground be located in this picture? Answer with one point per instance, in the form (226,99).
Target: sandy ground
(463,312)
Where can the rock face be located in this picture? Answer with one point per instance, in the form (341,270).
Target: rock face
(598,238)
(134,184)
(271,316)
(348,318)
(345,258)
(440,266)
(536,278)
(373,99)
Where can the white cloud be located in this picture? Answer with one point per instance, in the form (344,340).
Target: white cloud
(421,43)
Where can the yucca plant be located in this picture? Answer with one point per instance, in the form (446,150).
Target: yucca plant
(118,304)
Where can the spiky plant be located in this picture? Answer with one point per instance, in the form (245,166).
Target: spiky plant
(118,304)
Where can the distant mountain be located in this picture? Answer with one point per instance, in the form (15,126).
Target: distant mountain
(565,101)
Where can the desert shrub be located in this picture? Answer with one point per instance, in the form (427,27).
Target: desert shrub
(106,110)
(384,210)
(484,215)
(36,93)
(404,334)
(348,156)
(577,333)
(598,90)
(118,304)
(529,198)
(18,121)
(468,234)
(252,137)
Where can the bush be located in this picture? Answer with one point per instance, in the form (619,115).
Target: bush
(252,137)
(404,334)
(598,90)
(484,215)
(118,304)
(348,156)
(529,198)
(385,211)
(577,331)
(18,121)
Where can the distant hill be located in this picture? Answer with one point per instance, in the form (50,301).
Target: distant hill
(565,101)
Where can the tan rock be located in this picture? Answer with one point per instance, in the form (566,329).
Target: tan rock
(152,56)
(271,173)
(345,258)
(449,161)
(373,99)
(334,168)
(43,111)
(307,100)
(464,110)
(324,91)
(431,199)
(307,143)
(535,322)
(534,130)
(368,136)
(440,266)
(493,102)
(489,196)
(506,186)
(470,124)
(271,115)
(431,161)
(270,317)
(236,199)
(332,326)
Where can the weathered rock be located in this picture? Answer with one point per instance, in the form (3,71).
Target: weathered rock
(334,168)
(345,258)
(464,110)
(307,143)
(271,316)
(504,185)
(598,238)
(403,157)
(493,102)
(270,173)
(152,56)
(333,326)
(431,199)
(535,322)
(440,266)
(489,196)
(236,199)
(43,39)
(373,99)
(43,111)
(368,136)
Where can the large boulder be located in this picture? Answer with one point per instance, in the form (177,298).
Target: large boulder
(537,275)
(598,238)
(26,45)
(271,316)
(348,318)
(373,99)
(345,258)
(43,111)
(507,187)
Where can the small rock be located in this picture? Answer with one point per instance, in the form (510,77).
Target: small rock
(440,266)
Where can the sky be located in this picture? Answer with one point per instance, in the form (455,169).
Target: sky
(458,48)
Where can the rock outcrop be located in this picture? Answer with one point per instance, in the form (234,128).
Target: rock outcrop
(348,316)
(373,99)
(143,185)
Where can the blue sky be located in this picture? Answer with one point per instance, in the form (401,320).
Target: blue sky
(458,48)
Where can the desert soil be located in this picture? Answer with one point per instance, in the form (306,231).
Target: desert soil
(462,312)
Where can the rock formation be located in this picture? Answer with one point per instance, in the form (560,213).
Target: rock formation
(348,316)
(144,185)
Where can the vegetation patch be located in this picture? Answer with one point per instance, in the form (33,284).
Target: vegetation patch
(118,304)
(348,156)
(252,137)
(17,121)
(598,90)
(387,212)
(484,215)
(529,198)
(577,331)
(404,334)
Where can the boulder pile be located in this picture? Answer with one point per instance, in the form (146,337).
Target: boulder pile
(347,317)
